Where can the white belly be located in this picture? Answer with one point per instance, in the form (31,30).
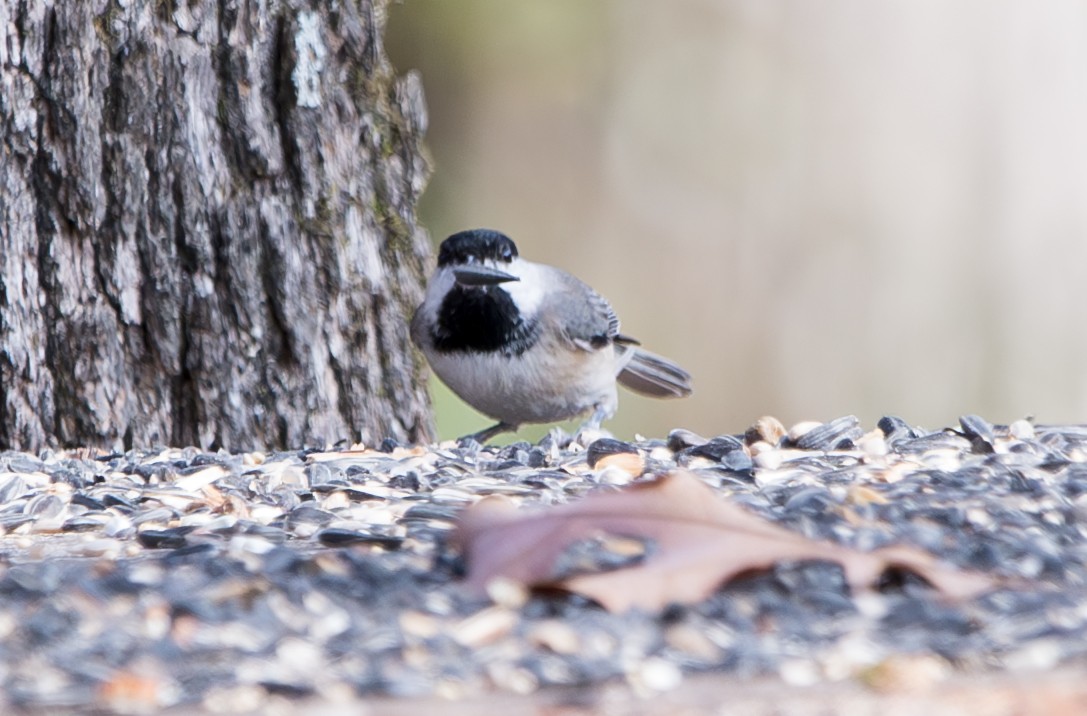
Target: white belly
(546,384)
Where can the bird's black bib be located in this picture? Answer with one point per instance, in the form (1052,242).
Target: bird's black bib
(482,320)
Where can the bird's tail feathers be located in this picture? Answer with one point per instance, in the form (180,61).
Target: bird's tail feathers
(654,375)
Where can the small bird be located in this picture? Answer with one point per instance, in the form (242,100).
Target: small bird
(523,342)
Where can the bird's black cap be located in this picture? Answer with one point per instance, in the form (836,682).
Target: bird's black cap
(476,244)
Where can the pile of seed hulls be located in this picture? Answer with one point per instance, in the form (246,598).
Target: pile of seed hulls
(152,578)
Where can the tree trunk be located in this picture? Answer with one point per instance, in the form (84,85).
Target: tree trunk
(207,224)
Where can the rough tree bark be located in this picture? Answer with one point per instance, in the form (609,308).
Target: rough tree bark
(207,225)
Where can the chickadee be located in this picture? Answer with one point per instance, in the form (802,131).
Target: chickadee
(528,343)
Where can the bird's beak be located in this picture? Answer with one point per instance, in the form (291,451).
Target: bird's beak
(481,276)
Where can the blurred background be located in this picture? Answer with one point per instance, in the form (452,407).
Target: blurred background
(845,207)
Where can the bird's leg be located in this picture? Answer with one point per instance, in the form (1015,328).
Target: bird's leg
(599,415)
(486,434)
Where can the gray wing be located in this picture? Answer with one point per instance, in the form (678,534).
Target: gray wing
(584,317)
(588,321)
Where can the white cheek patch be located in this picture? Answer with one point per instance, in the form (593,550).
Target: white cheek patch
(528,293)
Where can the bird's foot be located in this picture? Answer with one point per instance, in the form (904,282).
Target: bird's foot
(486,434)
(591,430)
(588,433)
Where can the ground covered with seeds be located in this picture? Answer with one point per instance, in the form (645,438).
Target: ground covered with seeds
(219,581)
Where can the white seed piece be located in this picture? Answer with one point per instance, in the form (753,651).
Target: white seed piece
(335,501)
(419,624)
(873,444)
(798,672)
(201,478)
(512,678)
(556,636)
(768,459)
(689,640)
(243,698)
(654,675)
(1021,430)
(507,592)
(614,476)
(802,428)
(484,627)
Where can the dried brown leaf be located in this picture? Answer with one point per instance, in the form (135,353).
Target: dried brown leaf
(701,542)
